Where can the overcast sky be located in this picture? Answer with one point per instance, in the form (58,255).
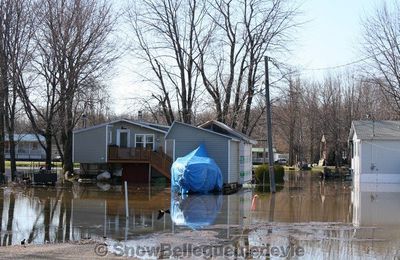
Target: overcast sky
(331,37)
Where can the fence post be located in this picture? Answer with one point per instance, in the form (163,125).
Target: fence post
(126,200)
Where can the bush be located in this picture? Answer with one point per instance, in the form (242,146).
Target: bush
(264,169)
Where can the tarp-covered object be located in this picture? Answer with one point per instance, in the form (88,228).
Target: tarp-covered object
(196,172)
(195,210)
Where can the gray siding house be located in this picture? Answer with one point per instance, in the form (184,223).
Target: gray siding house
(224,148)
(136,147)
(240,151)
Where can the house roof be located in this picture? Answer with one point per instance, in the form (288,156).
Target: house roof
(158,126)
(381,130)
(154,127)
(201,129)
(227,130)
(26,138)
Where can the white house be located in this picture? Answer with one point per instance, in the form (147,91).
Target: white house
(27,147)
(375,151)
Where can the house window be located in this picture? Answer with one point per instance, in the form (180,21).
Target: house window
(139,141)
(34,146)
(109,137)
(22,147)
(150,142)
(145,141)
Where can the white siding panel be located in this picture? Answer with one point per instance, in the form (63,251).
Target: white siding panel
(380,161)
(245,163)
(234,162)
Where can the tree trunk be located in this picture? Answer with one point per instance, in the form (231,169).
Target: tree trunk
(67,137)
(3,95)
(68,163)
(12,155)
(48,137)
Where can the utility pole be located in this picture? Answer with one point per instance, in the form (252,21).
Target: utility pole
(269,130)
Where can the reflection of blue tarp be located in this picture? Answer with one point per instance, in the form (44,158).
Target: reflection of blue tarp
(195,211)
(196,172)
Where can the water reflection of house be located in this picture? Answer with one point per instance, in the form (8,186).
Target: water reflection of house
(200,211)
(376,204)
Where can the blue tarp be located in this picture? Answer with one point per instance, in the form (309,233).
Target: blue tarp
(195,211)
(196,172)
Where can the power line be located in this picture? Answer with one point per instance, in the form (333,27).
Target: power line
(341,65)
(335,66)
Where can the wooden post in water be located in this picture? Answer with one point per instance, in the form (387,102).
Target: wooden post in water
(126,200)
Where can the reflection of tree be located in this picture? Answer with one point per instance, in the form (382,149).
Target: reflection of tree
(47,216)
(8,234)
(60,229)
(67,219)
(1,215)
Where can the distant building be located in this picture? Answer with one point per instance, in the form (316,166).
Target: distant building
(375,151)
(27,147)
(258,155)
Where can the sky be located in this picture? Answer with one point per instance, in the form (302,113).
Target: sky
(330,37)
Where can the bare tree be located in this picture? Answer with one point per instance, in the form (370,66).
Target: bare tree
(382,44)
(15,36)
(164,35)
(216,45)
(73,51)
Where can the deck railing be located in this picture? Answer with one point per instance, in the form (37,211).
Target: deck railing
(159,160)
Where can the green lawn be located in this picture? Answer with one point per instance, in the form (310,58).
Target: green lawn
(36,164)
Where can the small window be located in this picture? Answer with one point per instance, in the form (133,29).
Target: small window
(34,146)
(139,141)
(109,137)
(150,142)
(145,141)
(22,147)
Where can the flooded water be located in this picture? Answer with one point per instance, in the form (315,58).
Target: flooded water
(308,218)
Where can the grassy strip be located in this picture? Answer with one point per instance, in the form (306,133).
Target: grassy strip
(36,164)
(289,168)
(321,168)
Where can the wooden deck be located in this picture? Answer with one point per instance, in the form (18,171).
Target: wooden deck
(157,159)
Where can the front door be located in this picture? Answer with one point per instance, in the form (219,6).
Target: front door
(123,138)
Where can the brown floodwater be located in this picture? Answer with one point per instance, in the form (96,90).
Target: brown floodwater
(320,219)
